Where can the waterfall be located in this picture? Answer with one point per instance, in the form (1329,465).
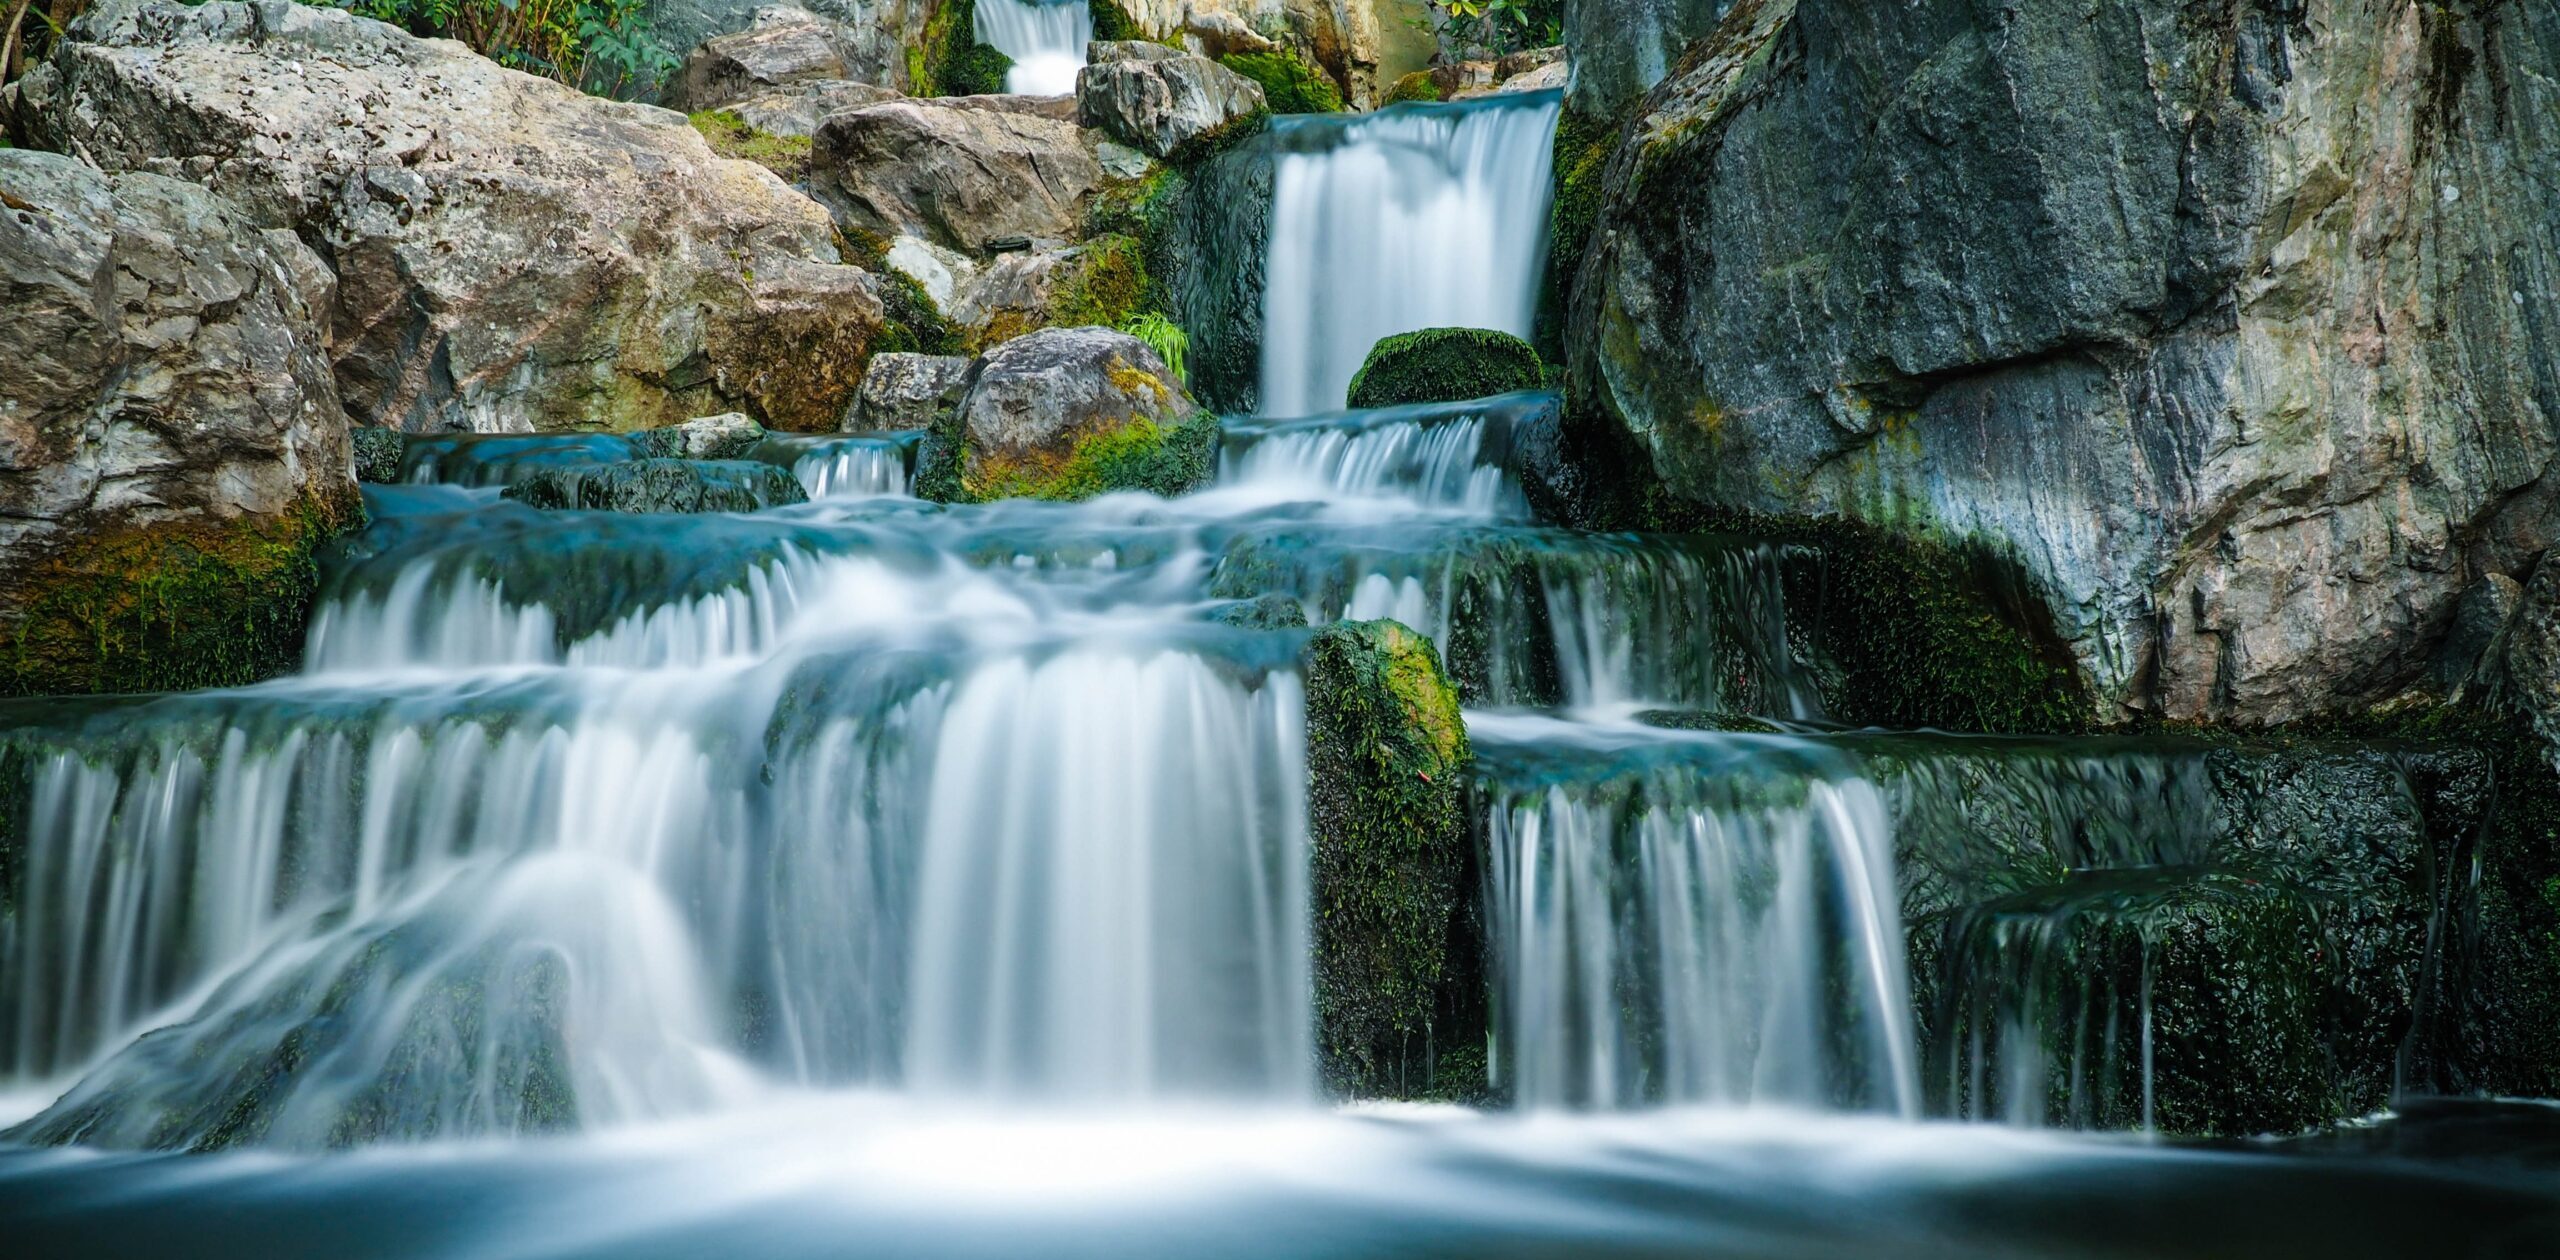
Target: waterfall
(1045,38)
(858,468)
(1418,216)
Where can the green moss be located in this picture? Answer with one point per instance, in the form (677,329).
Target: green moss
(1584,146)
(1104,285)
(1445,365)
(731,137)
(379,452)
(1288,82)
(1417,86)
(953,62)
(1399,992)
(1112,23)
(168,607)
(1142,455)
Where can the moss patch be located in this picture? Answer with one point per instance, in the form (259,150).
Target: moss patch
(1445,365)
(1417,86)
(731,137)
(1141,455)
(1288,82)
(1399,1001)
(1111,23)
(952,61)
(168,607)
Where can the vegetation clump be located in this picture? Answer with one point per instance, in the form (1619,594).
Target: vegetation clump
(732,136)
(1140,455)
(951,61)
(1288,82)
(1445,365)
(1417,86)
(1399,1003)
(379,453)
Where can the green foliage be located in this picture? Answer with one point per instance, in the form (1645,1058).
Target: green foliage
(1113,23)
(1289,83)
(379,452)
(954,63)
(1387,764)
(1163,336)
(1508,26)
(601,46)
(731,137)
(1445,365)
(167,607)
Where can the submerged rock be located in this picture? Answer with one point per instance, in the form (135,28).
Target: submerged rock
(962,173)
(1168,105)
(2226,336)
(1067,414)
(1445,365)
(725,436)
(907,392)
(171,442)
(1398,966)
(661,485)
(511,254)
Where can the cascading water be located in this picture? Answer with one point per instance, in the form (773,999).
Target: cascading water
(1045,38)
(1418,216)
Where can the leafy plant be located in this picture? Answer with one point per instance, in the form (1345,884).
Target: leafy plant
(1163,336)
(1511,25)
(599,46)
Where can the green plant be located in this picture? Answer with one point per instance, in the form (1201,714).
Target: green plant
(1163,336)
(599,46)
(1512,25)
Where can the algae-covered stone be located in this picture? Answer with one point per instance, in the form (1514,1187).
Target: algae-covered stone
(1445,365)
(1067,414)
(379,451)
(661,485)
(1398,960)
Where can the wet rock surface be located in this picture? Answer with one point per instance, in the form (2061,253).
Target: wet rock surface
(661,485)
(908,391)
(1069,413)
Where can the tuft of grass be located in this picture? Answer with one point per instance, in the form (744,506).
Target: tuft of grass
(1163,336)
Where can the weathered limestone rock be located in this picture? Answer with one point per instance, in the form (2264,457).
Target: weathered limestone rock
(511,254)
(660,485)
(2232,339)
(960,172)
(798,111)
(1067,414)
(1399,994)
(784,46)
(1167,105)
(171,444)
(907,391)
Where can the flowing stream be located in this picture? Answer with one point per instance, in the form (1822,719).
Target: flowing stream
(863,867)
(1045,38)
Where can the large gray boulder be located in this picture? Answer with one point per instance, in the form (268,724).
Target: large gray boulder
(171,444)
(511,254)
(1066,414)
(2236,342)
(960,172)
(1165,104)
(907,391)
(870,36)
(800,109)
(783,46)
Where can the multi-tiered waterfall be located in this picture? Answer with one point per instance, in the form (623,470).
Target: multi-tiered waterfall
(798,837)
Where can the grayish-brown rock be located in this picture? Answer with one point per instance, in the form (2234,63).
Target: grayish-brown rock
(167,416)
(870,36)
(798,110)
(1341,37)
(959,172)
(1068,413)
(907,391)
(2237,340)
(511,254)
(783,46)
(1166,106)
(725,436)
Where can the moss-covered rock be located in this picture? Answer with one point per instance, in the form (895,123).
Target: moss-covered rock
(1067,414)
(1398,960)
(1420,85)
(1290,84)
(915,324)
(661,485)
(731,136)
(1445,365)
(168,606)
(1101,283)
(951,61)
(378,452)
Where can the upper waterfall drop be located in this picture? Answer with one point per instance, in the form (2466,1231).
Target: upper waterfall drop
(1418,216)
(1045,40)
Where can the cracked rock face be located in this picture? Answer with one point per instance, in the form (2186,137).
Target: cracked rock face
(2237,334)
(960,172)
(511,254)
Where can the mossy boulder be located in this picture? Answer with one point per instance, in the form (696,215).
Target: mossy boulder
(1398,959)
(1067,414)
(1445,365)
(661,485)
(1100,283)
(1289,83)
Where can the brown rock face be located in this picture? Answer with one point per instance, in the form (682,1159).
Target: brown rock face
(959,172)
(171,444)
(511,254)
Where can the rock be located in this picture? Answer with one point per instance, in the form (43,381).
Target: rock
(1445,365)
(1288,82)
(1624,47)
(2474,647)
(1340,38)
(660,485)
(1169,107)
(1099,283)
(1398,968)
(908,391)
(870,37)
(957,172)
(943,274)
(511,254)
(783,47)
(378,454)
(2242,369)
(1554,76)
(171,442)
(1067,414)
(725,436)
(798,111)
